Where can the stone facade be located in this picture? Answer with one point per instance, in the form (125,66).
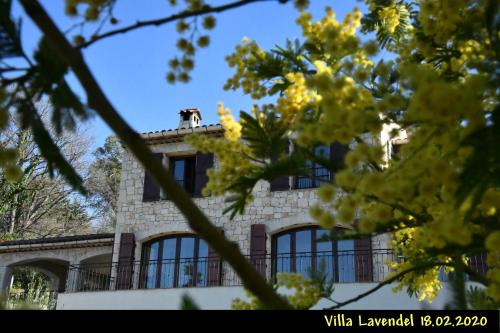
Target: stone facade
(278,210)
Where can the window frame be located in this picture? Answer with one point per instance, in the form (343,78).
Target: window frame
(189,173)
(313,264)
(315,182)
(146,250)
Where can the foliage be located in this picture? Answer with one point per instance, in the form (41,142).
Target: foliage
(46,78)
(188,303)
(36,204)
(103,185)
(441,198)
(304,293)
(31,290)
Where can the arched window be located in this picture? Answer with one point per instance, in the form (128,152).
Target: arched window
(174,262)
(306,250)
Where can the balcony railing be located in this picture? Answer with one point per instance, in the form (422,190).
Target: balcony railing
(339,267)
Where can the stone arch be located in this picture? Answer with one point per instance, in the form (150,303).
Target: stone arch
(177,229)
(55,269)
(97,258)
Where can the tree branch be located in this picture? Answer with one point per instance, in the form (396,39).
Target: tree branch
(386,282)
(164,20)
(196,219)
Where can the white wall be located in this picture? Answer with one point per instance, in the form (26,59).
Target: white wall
(221,297)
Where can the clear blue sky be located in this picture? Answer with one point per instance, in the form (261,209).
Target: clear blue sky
(131,68)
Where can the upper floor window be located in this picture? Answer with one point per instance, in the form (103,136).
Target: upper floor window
(305,251)
(183,169)
(189,171)
(319,174)
(178,261)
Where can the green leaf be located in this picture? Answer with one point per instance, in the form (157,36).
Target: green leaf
(49,79)
(188,303)
(482,168)
(265,140)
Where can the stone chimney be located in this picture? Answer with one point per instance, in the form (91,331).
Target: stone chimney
(190,118)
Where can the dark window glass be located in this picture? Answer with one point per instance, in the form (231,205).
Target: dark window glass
(283,253)
(201,276)
(345,252)
(152,265)
(180,171)
(183,170)
(168,263)
(186,263)
(319,173)
(305,251)
(178,261)
(324,254)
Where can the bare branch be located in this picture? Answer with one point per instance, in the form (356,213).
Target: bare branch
(197,220)
(386,282)
(164,20)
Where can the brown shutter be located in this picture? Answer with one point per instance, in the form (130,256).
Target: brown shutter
(125,261)
(281,183)
(363,259)
(151,188)
(258,247)
(214,269)
(337,152)
(203,162)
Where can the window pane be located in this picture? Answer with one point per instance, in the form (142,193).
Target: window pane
(168,263)
(322,174)
(324,254)
(186,262)
(202,264)
(303,252)
(189,175)
(283,254)
(151,266)
(179,171)
(346,260)
(323,151)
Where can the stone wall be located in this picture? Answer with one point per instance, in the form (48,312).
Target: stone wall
(278,210)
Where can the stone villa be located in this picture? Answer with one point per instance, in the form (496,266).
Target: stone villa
(153,258)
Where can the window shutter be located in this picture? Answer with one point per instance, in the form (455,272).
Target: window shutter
(125,261)
(281,183)
(151,188)
(214,269)
(337,152)
(363,259)
(258,247)
(203,162)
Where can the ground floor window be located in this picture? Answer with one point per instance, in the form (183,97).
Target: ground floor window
(175,261)
(305,251)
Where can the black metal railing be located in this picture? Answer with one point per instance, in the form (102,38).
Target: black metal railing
(319,176)
(338,266)
(341,266)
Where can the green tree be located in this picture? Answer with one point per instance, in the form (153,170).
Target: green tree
(103,185)
(36,204)
(440,200)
